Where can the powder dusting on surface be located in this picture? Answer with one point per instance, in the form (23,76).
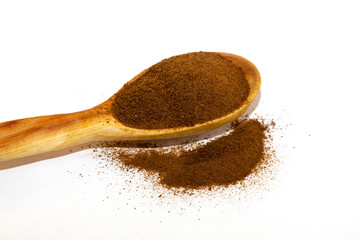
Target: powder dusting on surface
(220,162)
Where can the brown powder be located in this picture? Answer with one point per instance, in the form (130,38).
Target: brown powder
(182,91)
(222,161)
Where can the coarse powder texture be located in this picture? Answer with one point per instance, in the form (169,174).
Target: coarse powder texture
(182,91)
(223,161)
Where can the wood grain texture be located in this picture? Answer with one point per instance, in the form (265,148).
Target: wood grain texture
(26,137)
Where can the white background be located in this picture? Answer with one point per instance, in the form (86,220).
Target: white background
(65,56)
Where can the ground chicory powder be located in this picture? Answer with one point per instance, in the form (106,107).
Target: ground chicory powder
(182,91)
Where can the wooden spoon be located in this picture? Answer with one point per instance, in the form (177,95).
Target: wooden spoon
(29,136)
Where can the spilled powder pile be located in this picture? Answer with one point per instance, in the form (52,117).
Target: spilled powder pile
(222,161)
(182,91)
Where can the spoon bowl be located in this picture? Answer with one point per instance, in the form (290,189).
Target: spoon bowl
(26,137)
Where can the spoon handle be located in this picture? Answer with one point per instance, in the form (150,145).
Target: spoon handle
(29,136)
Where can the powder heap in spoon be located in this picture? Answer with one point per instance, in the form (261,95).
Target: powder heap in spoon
(182,91)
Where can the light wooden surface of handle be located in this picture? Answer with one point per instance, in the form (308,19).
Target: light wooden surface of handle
(29,136)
